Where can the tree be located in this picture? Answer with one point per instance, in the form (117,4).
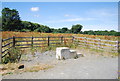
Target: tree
(63,30)
(117,34)
(44,29)
(91,32)
(29,26)
(26,25)
(76,28)
(10,20)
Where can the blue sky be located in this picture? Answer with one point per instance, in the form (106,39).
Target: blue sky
(92,15)
(60,0)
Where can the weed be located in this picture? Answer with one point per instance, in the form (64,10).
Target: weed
(58,57)
(33,50)
(36,68)
(63,58)
(76,57)
(14,55)
(74,45)
(7,73)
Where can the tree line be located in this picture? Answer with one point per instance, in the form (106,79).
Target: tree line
(11,22)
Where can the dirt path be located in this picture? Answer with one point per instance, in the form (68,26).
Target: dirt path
(89,67)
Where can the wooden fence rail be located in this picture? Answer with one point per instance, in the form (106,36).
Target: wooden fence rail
(97,43)
(33,42)
(26,42)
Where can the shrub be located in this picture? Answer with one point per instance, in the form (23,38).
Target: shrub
(14,55)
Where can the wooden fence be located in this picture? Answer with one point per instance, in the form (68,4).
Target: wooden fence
(26,42)
(98,43)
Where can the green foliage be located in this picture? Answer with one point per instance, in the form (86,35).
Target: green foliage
(10,20)
(76,28)
(14,55)
(25,30)
(91,32)
(64,30)
(7,73)
(29,26)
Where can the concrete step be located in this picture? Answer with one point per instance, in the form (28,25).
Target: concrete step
(65,53)
(80,55)
(73,51)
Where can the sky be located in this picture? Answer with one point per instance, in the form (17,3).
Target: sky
(60,0)
(91,15)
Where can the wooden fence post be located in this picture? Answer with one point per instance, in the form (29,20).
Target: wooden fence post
(118,45)
(61,39)
(1,50)
(32,42)
(99,43)
(73,39)
(13,41)
(85,38)
(48,40)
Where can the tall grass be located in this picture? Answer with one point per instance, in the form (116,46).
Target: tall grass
(14,55)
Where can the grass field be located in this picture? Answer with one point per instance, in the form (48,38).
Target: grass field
(8,34)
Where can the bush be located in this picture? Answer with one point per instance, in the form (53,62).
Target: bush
(25,30)
(14,55)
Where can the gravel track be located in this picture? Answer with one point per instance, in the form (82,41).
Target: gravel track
(90,66)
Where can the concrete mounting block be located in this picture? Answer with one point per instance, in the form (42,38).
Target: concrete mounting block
(63,53)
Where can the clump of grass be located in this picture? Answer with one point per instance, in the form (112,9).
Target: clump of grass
(102,52)
(43,49)
(24,58)
(63,58)
(33,50)
(51,48)
(96,50)
(74,44)
(8,68)
(14,55)
(119,51)
(76,57)
(7,73)
(70,44)
(12,68)
(37,68)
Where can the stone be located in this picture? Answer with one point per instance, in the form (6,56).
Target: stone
(80,55)
(73,54)
(21,66)
(63,53)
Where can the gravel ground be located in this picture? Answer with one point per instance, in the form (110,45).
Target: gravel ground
(90,66)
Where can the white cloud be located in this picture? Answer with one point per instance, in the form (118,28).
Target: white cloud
(34,9)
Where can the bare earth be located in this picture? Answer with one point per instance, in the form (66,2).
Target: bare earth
(91,66)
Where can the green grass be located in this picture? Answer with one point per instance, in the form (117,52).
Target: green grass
(14,55)
(102,52)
